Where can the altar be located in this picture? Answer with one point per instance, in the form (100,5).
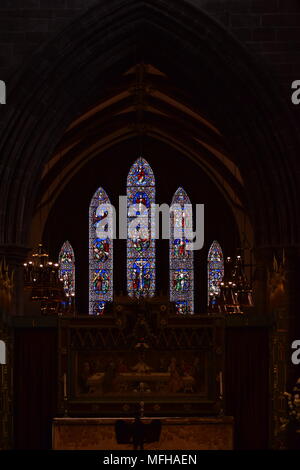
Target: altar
(200,433)
(142,359)
(147,382)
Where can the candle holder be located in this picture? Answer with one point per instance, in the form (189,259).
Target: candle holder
(65,395)
(141,409)
(221,397)
(221,410)
(65,406)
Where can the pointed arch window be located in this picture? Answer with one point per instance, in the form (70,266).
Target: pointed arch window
(100,252)
(66,261)
(215,262)
(181,258)
(140,228)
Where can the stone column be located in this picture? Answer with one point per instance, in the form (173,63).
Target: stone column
(284,310)
(263,259)
(15,256)
(292,277)
(6,392)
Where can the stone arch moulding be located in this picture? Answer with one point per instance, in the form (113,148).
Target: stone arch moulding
(63,77)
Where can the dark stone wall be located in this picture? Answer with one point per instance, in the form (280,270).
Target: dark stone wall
(27,24)
(269,28)
(35,391)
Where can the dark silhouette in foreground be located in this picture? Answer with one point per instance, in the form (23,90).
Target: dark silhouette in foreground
(137,433)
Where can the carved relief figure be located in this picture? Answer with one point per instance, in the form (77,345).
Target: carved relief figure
(277,284)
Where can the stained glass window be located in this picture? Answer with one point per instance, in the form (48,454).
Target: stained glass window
(180,255)
(215,264)
(140,227)
(66,261)
(100,253)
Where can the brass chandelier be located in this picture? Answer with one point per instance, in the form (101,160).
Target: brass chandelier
(41,278)
(235,295)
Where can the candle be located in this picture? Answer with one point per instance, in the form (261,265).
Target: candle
(65,385)
(221,383)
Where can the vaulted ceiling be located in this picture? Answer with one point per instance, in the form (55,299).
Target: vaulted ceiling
(204,95)
(143,102)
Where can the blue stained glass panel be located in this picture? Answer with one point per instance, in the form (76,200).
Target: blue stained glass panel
(181,258)
(100,253)
(215,268)
(66,261)
(140,244)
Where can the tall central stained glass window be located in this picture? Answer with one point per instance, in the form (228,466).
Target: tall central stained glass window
(140,228)
(180,256)
(100,253)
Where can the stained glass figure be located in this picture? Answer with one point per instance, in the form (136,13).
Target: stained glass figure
(215,265)
(66,261)
(100,253)
(181,257)
(140,227)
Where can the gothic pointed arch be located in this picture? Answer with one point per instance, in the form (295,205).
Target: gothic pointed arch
(136,31)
